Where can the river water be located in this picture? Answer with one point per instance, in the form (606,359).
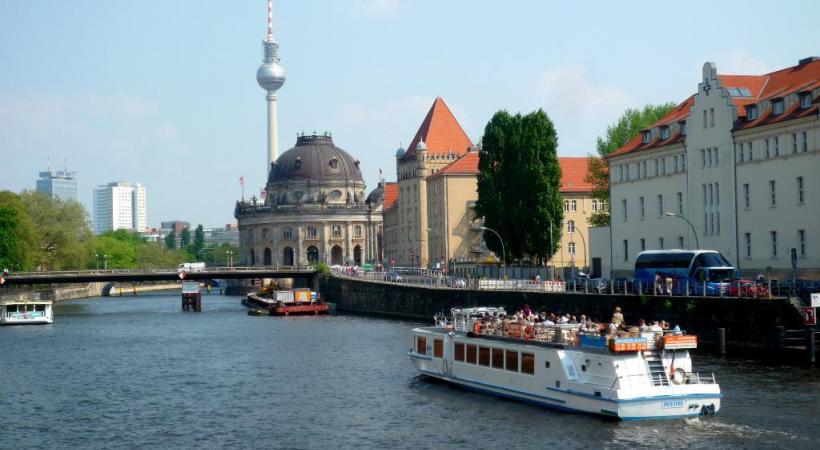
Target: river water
(136,372)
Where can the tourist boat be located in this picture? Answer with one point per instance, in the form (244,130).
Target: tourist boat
(648,376)
(16,312)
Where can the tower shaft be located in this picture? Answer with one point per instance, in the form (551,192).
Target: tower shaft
(273,134)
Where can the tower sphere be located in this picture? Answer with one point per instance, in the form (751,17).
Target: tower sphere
(270,76)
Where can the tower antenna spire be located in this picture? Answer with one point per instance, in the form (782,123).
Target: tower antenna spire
(271,76)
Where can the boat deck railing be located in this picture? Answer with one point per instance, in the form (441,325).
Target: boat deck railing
(699,378)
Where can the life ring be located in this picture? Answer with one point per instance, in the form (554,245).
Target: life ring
(529,333)
(477,327)
(678,376)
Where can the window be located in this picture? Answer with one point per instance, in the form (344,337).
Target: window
(512,360)
(643,170)
(680,202)
(750,155)
(657,167)
(646,136)
(336,231)
(683,162)
(766,149)
(574,206)
(801,242)
(334,163)
(794,142)
(711,194)
(312,232)
(571,248)
(660,243)
(623,205)
(287,232)
(703,157)
(711,117)
(680,241)
(676,163)
(640,203)
(704,118)
(571,226)
(357,231)
(751,112)
(421,345)
(498,358)
(718,223)
(483,356)
(801,198)
(643,244)
(777,107)
(594,205)
(739,154)
(566,202)
(805,141)
(777,146)
(805,100)
(660,205)
(716,156)
(663,166)
(665,132)
(458,348)
(438,348)
(626,250)
(528,363)
(717,194)
(747,237)
(621,178)
(772,193)
(683,128)
(746,199)
(471,354)
(773,235)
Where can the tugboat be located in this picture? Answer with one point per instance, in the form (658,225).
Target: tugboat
(631,376)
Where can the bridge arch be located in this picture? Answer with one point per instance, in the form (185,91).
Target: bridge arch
(357,255)
(312,254)
(336,257)
(268,258)
(287,256)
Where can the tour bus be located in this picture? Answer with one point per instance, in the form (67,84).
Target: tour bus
(700,272)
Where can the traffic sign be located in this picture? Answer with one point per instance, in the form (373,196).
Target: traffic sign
(182,275)
(809,316)
(815,300)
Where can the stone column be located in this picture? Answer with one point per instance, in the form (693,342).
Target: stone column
(349,242)
(299,237)
(324,247)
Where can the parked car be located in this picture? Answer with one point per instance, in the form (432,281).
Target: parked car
(392,277)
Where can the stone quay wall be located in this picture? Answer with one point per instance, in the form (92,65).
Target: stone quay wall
(750,323)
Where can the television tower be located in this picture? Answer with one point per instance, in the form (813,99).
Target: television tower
(271,76)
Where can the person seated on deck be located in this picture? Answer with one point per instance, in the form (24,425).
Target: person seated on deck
(642,325)
(656,327)
(573,320)
(527,310)
(664,325)
(613,327)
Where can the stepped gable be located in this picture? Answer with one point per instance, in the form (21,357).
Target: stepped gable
(440,132)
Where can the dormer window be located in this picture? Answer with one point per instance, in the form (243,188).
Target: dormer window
(805,100)
(665,132)
(751,112)
(777,106)
(646,136)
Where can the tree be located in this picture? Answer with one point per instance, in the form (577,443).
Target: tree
(199,241)
(63,231)
(171,240)
(518,185)
(631,122)
(18,241)
(185,238)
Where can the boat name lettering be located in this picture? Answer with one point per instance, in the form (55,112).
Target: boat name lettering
(669,404)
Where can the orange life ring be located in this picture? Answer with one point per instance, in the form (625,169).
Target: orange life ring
(477,327)
(529,333)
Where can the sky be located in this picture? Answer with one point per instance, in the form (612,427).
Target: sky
(164,92)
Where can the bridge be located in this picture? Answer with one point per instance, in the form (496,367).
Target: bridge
(307,273)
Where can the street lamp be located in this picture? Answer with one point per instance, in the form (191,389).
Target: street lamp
(228,257)
(671,214)
(503,252)
(584,241)
(97,261)
(105,262)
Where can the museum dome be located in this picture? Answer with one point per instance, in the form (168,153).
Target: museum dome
(316,159)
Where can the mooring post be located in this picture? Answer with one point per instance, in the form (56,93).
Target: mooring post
(781,337)
(722,340)
(811,344)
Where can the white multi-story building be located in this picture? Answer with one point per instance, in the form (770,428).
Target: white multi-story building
(119,205)
(738,160)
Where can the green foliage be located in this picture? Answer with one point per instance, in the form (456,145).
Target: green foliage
(518,185)
(18,241)
(631,122)
(126,250)
(199,241)
(185,238)
(63,231)
(171,240)
(322,268)
(218,256)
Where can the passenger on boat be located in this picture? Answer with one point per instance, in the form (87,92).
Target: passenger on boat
(656,327)
(527,310)
(618,317)
(642,325)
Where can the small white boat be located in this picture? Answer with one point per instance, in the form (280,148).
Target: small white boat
(628,378)
(17,312)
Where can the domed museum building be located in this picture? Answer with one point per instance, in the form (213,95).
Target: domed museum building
(314,209)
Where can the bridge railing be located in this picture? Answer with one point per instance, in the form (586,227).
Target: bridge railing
(213,269)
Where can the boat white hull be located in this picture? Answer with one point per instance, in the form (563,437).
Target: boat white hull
(33,321)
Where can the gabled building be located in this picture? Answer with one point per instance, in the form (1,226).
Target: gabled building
(737,160)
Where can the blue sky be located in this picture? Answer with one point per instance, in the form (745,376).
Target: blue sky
(164,93)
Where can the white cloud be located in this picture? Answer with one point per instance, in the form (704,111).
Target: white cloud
(580,108)
(739,62)
(375,7)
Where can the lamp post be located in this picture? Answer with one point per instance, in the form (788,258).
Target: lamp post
(503,252)
(671,214)
(229,257)
(584,241)
(97,261)
(105,262)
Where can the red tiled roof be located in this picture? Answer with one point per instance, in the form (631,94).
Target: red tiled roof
(784,82)
(573,171)
(391,193)
(440,132)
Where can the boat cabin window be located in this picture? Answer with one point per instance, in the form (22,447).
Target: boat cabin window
(421,345)
(483,356)
(528,363)
(512,361)
(438,348)
(39,307)
(459,351)
(498,358)
(471,353)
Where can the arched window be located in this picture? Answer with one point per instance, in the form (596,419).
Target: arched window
(571,226)
(594,205)
(334,163)
(566,205)
(574,206)
(571,248)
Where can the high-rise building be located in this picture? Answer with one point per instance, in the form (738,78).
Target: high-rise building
(119,205)
(59,184)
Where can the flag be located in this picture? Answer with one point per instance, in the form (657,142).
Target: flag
(242,181)
(380,173)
